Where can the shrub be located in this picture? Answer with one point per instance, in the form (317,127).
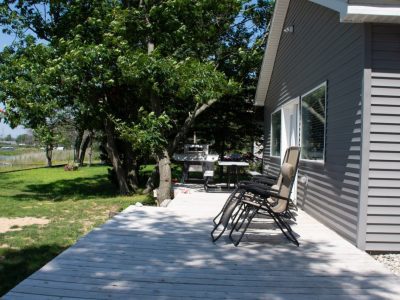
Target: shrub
(71,167)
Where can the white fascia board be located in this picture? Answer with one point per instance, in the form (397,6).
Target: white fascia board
(372,14)
(360,13)
(278,20)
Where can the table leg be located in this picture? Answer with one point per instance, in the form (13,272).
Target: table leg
(237,176)
(229,170)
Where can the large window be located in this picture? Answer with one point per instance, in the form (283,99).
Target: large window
(313,121)
(276,134)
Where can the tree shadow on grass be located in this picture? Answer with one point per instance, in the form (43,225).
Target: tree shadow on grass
(66,189)
(16,265)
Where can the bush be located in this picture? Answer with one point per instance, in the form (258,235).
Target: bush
(71,167)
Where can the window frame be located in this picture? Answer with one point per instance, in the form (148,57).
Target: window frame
(318,161)
(279,110)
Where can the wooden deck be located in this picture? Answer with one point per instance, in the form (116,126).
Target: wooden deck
(166,253)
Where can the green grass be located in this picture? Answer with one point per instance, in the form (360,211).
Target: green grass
(13,168)
(176,171)
(74,202)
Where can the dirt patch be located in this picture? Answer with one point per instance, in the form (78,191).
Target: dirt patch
(113,211)
(14,224)
(87,225)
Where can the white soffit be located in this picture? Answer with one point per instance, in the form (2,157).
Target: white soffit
(364,11)
(371,11)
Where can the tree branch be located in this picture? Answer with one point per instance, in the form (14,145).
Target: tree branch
(189,123)
(27,26)
(314,113)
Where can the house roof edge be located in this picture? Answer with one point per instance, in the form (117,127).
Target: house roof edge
(352,13)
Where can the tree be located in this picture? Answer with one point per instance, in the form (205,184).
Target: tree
(30,99)
(25,138)
(107,59)
(239,57)
(47,137)
(106,63)
(87,67)
(8,138)
(180,90)
(222,35)
(81,87)
(176,70)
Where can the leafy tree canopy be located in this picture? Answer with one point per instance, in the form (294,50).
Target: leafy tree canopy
(107,62)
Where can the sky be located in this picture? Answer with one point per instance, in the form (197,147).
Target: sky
(5,130)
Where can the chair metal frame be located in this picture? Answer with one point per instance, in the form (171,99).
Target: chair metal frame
(230,209)
(259,204)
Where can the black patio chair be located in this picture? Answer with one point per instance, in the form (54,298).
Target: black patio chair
(267,202)
(230,209)
(267,180)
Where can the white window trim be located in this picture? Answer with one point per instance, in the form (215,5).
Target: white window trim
(270,146)
(294,101)
(317,161)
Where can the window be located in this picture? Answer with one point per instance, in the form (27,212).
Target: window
(313,121)
(276,134)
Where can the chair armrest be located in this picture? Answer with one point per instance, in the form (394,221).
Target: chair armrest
(257,185)
(265,191)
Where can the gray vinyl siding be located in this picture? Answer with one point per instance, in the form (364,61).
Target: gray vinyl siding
(383,212)
(322,49)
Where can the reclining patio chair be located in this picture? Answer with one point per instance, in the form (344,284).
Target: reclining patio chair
(267,202)
(271,180)
(267,180)
(231,205)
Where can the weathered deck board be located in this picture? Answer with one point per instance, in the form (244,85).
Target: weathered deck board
(166,253)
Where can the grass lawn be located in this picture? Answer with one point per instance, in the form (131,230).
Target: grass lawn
(73,202)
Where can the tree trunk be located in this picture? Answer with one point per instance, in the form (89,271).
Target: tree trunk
(133,177)
(223,148)
(83,147)
(165,188)
(49,155)
(77,146)
(130,167)
(112,152)
(90,148)
(164,161)
(151,181)
(222,155)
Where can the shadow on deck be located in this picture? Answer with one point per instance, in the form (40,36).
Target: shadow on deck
(167,253)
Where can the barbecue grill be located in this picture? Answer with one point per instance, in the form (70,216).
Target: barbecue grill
(195,158)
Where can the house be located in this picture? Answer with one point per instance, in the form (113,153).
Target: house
(330,82)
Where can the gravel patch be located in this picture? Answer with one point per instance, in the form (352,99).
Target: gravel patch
(390,260)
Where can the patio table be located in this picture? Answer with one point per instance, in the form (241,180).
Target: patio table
(233,167)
